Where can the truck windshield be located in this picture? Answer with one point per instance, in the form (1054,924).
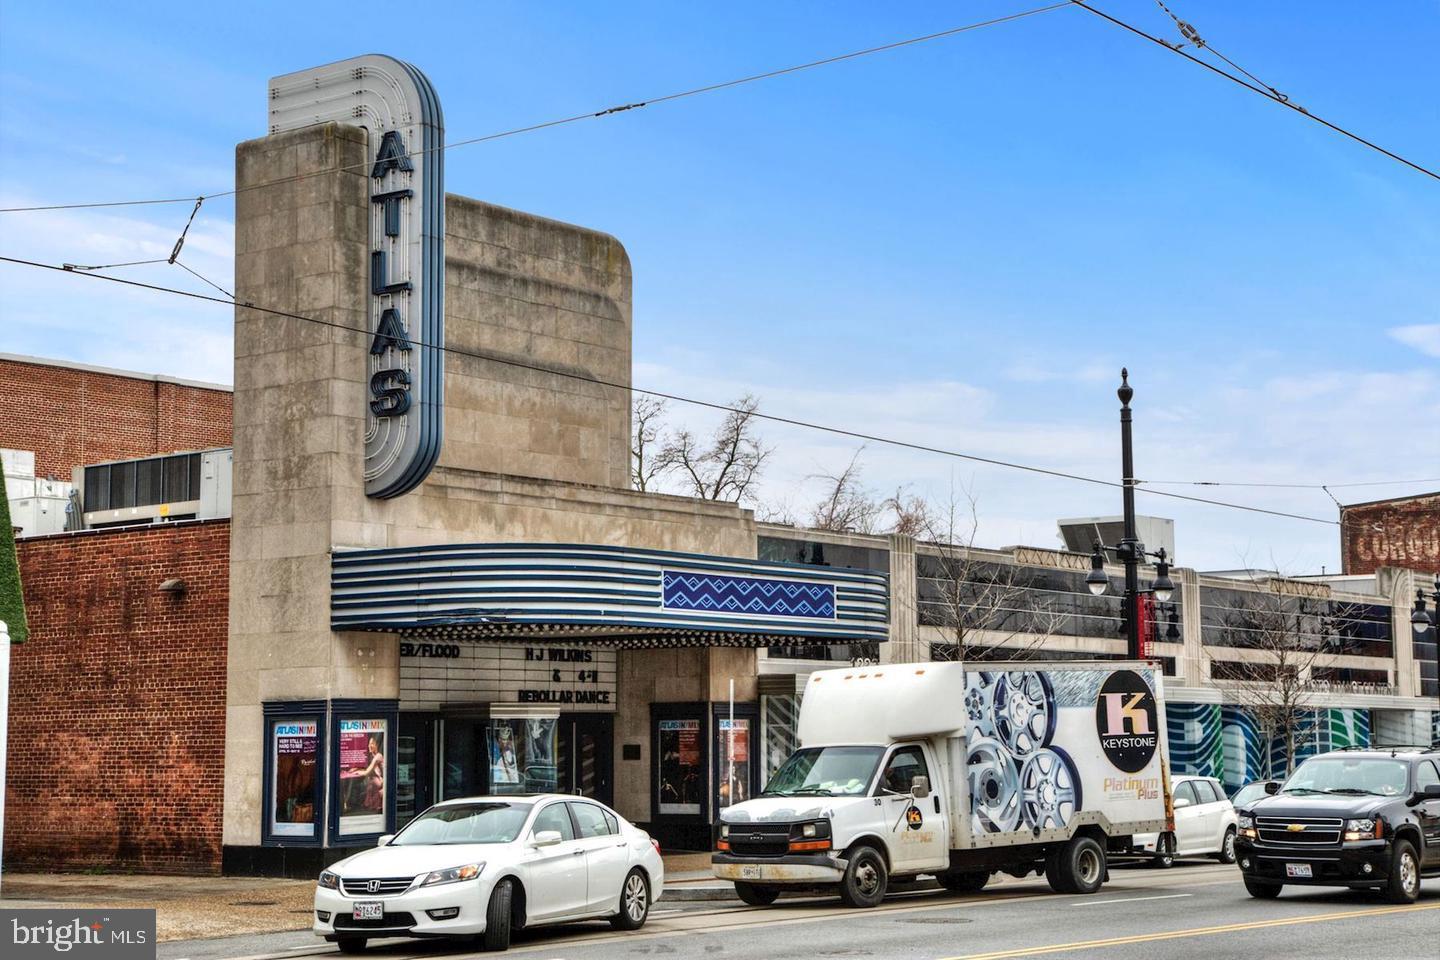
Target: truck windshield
(825,772)
(1380,776)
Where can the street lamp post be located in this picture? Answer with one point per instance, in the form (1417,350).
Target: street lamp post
(1421,620)
(1129,551)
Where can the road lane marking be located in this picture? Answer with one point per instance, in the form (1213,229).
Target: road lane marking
(1193,932)
(1101,903)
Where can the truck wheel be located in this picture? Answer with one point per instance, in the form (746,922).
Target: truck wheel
(1261,890)
(755,895)
(865,878)
(972,882)
(1077,867)
(1164,851)
(1404,883)
(497,918)
(1227,847)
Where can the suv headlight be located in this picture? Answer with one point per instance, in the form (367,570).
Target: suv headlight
(1364,829)
(453,875)
(1245,822)
(328,880)
(724,831)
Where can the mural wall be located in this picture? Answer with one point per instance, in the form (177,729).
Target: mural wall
(1212,740)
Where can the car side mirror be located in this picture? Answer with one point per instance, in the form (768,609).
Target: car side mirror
(1181,802)
(546,838)
(1430,792)
(920,787)
(1272,788)
(385,840)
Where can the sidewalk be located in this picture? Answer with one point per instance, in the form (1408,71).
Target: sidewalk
(201,907)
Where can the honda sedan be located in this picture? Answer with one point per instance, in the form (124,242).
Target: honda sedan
(487,866)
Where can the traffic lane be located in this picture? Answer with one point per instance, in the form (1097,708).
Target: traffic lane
(1010,915)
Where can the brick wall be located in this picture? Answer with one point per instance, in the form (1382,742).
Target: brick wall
(1392,533)
(117,701)
(70,417)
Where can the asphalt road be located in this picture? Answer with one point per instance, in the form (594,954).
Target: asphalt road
(1193,910)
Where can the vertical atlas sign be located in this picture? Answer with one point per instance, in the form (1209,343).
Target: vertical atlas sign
(405,395)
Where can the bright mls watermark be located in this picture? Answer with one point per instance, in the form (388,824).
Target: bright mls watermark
(81,934)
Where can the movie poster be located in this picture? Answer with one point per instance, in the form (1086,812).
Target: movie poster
(362,776)
(734,752)
(522,755)
(296,746)
(681,775)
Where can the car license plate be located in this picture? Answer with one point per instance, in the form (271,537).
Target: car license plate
(369,910)
(749,872)
(1298,870)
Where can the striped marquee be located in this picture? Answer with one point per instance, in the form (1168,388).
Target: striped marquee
(629,597)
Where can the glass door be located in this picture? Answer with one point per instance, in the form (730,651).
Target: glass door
(587,755)
(414,766)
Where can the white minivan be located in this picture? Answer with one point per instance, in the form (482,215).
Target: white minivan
(1205,824)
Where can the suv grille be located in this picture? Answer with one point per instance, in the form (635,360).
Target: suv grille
(760,839)
(383,887)
(1314,832)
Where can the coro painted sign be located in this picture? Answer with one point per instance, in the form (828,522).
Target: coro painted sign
(406,171)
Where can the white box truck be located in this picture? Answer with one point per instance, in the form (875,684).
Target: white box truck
(956,771)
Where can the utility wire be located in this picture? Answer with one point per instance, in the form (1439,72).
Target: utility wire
(773,418)
(1262,90)
(108,266)
(621,108)
(1289,486)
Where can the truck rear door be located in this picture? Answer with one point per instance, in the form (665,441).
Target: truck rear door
(918,837)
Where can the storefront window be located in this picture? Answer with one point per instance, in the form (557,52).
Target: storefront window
(682,772)
(522,755)
(362,783)
(294,746)
(733,749)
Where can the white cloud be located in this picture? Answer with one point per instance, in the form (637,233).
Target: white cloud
(1424,337)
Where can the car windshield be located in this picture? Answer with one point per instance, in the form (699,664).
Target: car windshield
(825,772)
(1249,793)
(1381,776)
(465,823)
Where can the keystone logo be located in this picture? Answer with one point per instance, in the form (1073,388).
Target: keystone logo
(913,818)
(1126,719)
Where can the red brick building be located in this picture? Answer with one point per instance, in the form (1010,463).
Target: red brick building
(71,414)
(117,700)
(1401,532)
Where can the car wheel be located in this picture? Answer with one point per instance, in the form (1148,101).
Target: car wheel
(1164,851)
(634,902)
(1227,847)
(964,882)
(1077,867)
(1261,890)
(866,878)
(497,917)
(1404,883)
(755,895)
(350,944)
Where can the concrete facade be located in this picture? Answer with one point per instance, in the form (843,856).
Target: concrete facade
(530,453)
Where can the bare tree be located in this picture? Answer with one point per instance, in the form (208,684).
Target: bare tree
(846,506)
(982,602)
(646,427)
(728,466)
(1275,634)
(911,513)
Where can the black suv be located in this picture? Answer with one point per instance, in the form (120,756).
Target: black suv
(1351,818)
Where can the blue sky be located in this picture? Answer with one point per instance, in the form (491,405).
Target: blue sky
(958,243)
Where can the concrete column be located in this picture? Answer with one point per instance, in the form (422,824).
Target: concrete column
(1194,667)
(1399,586)
(905,645)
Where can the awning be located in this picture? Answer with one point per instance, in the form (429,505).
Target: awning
(616,595)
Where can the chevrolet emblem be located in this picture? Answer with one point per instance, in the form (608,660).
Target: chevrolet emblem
(1295,827)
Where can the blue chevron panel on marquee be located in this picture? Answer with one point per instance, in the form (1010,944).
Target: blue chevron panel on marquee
(721,594)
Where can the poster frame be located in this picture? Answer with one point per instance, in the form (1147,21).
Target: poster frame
(744,710)
(700,713)
(389,711)
(312,710)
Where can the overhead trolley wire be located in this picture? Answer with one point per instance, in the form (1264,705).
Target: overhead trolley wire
(591,115)
(1269,93)
(725,408)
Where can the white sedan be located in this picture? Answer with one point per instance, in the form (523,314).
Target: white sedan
(1205,824)
(486,866)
